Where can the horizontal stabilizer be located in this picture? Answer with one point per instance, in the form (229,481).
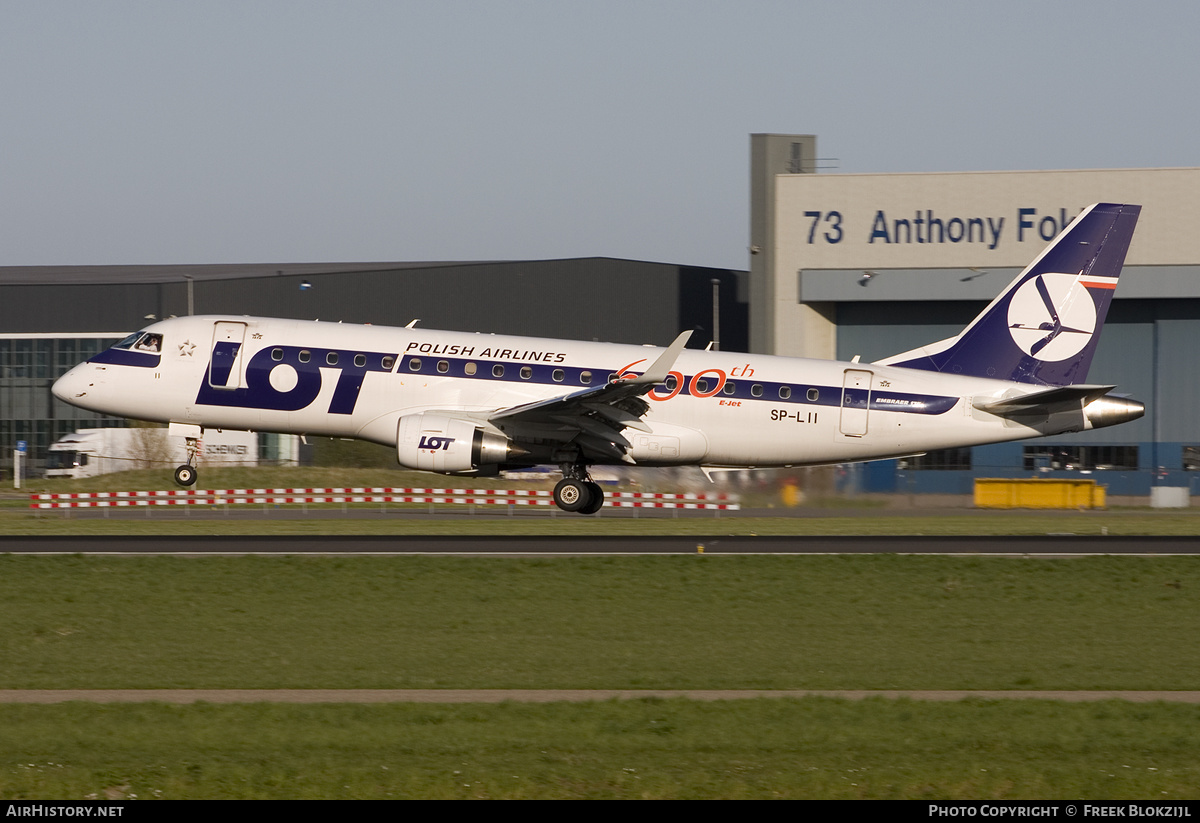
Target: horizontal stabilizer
(1057,395)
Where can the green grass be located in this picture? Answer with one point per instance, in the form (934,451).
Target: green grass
(858,622)
(810,748)
(817,622)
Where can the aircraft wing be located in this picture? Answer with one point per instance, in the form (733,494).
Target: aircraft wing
(592,418)
(1042,400)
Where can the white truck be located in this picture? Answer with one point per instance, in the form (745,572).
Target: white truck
(89,452)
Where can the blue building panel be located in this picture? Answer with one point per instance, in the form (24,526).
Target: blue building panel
(1147,350)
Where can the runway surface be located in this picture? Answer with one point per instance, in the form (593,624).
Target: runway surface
(1039,546)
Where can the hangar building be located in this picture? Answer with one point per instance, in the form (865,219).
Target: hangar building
(877,264)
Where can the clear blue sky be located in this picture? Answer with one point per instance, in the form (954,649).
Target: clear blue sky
(226,132)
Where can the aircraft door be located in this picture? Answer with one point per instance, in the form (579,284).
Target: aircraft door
(856,401)
(226,369)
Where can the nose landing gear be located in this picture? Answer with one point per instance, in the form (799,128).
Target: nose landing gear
(186,474)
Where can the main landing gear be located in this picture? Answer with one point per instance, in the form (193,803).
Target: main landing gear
(186,475)
(576,492)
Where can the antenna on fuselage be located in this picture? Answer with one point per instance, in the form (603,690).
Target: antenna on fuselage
(412,324)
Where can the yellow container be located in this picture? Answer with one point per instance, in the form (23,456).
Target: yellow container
(1037,493)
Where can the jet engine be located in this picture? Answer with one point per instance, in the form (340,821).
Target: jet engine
(451,445)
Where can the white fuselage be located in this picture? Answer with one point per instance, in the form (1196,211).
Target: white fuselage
(719,408)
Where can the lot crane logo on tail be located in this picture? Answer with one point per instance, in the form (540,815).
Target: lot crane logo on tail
(1052,316)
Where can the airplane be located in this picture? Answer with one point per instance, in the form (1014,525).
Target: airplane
(463,403)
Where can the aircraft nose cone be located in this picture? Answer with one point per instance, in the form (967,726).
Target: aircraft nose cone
(71,386)
(60,387)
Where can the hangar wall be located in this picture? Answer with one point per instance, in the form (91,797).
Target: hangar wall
(920,236)
(876,264)
(627,301)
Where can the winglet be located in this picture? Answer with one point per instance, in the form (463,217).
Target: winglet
(661,367)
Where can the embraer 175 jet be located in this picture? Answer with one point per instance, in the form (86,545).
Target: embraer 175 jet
(473,404)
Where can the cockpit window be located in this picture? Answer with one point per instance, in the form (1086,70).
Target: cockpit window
(141,341)
(128,342)
(149,342)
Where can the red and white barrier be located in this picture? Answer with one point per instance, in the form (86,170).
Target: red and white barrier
(473,497)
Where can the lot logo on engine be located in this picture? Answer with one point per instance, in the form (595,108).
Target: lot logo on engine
(435,443)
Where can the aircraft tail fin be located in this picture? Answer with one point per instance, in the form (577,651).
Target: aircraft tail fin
(1044,327)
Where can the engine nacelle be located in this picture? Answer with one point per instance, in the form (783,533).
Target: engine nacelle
(450,445)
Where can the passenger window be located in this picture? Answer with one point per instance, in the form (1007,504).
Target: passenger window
(360,360)
(331,358)
(387,362)
(414,364)
(670,383)
(497,370)
(470,368)
(276,354)
(304,355)
(557,375)
(585,377)
(756,390)
(785,392)
(730,387)
(813,394)
(701,386)
(526,372)
(443,367)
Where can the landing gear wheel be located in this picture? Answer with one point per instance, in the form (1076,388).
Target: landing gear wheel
(597,500)
(185,476)
(572,495)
